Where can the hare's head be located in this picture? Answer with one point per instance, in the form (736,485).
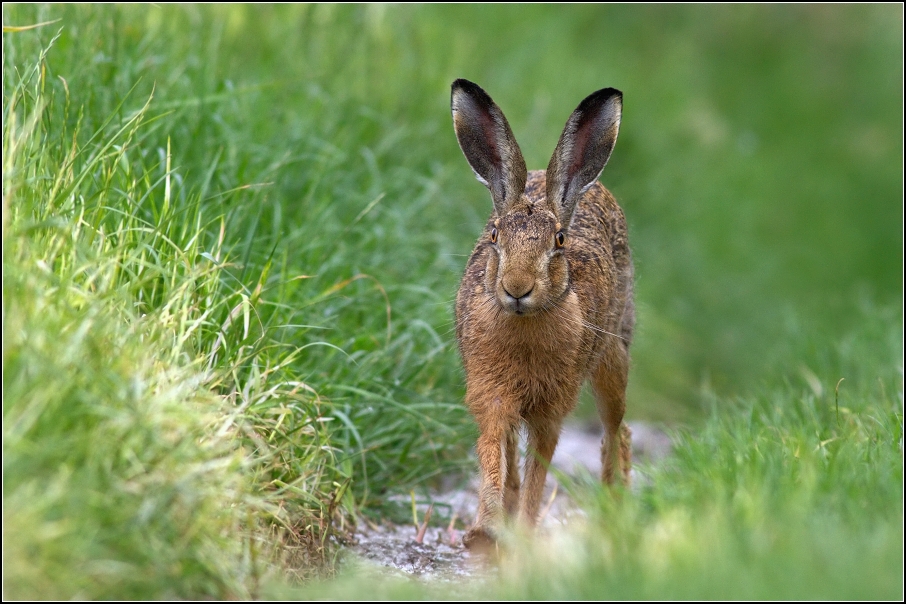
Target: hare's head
(528,237)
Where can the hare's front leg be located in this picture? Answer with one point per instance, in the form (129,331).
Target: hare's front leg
(496,450)
(511,484)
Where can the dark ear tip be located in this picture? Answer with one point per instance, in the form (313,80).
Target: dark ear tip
(607,93)
(461,83)
(473,90)
(599,97)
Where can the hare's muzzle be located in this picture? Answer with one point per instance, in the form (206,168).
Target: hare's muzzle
(518,286)
(516,294)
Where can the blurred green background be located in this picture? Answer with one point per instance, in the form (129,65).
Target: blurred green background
(759,162)
(759,166)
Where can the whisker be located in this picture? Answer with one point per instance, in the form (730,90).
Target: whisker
(595,328)
(560,313)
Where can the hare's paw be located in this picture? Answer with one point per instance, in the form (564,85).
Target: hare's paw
(480,540)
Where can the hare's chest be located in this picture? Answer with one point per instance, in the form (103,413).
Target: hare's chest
(545,348)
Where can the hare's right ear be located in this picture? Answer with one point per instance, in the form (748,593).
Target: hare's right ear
(488,144)
(583,150)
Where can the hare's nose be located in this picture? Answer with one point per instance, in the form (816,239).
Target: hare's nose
(517,288)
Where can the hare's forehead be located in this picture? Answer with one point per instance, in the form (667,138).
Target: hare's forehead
(531,220)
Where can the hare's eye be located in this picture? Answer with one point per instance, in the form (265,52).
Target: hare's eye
(560,239)
(493,235)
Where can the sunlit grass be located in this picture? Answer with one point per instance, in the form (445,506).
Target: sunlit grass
(122,474)
(146,226)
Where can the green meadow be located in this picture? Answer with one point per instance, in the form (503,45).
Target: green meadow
(232,236)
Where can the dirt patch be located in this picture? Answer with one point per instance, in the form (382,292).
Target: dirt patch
(436,559)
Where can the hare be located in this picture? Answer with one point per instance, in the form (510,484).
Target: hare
(545,301)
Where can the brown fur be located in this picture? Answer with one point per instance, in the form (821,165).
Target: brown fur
(535,320)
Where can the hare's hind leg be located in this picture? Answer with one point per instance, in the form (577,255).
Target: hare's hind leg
(543,434)
(511,485)
(609,381)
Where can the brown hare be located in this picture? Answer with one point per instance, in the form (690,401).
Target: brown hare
(545,302)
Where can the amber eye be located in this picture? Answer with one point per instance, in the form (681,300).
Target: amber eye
(560,239)
(493,235)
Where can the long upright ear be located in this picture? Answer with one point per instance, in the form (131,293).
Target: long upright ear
(583,150)
(488,144)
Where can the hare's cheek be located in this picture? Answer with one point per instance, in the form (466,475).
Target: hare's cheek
(490,273)
(557,273)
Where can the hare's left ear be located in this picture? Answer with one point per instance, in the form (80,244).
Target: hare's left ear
(583,150)
(488,144)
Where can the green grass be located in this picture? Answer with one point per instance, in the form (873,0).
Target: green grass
(232,236)
(793,494)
